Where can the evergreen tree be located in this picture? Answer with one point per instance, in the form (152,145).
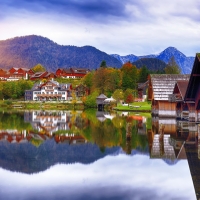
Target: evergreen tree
(103,64)
(172,67)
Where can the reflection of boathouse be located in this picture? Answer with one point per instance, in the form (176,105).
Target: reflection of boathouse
(168,136)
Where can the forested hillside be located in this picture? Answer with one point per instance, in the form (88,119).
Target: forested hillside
(28,51)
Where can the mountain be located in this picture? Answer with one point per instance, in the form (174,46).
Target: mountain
(153,64)
(28,51)
(26,158)
(185,63)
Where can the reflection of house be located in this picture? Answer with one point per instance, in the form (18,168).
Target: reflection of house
(69,138)
(51,90)
(14,136)
(71,73)
(175,135)
(48,122)
(160,87)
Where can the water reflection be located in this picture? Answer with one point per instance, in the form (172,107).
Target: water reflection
(87,151)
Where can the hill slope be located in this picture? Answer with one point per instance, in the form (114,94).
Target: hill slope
(28,51)
(153,64)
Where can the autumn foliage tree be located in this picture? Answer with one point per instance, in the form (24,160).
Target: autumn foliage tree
(38,68)
(129,76)
(129,99)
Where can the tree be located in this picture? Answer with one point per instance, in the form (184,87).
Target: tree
(172,67)
(87,79)
(143,73)
(99,79)
(103,64)
(129,99)
(118,95)
(129,76)
(39,68)
(127,93)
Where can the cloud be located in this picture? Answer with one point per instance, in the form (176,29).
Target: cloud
(113,177)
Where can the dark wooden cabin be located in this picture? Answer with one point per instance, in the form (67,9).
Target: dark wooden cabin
(178,97)
(192,96)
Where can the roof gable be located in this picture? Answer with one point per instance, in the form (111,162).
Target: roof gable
(194,81)
(163,84)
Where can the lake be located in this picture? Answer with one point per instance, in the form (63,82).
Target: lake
(97,155)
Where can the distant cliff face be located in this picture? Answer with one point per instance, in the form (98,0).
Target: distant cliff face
(185,63)
(28,51)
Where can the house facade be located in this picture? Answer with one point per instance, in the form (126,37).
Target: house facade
(20,73)
(71,72)
(49,91)
(81,90)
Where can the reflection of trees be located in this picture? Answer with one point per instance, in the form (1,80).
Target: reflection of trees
(111,133)
(108,133)
(13,121)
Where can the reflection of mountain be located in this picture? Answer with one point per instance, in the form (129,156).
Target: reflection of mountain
(27,158)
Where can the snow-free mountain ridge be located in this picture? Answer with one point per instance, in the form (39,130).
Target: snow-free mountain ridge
(185,63)
(28,51)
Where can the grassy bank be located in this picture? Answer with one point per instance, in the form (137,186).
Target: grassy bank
(34,105)
(136,106)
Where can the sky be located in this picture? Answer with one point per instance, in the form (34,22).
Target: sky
(138,27)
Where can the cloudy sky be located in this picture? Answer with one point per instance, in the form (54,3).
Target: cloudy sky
(124,27)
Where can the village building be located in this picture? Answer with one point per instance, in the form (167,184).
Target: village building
(160,87)
(49,91)
(19,73)
(178,97)
(100,101)
(142,90)
(42,75)
(81,91)
(71,72)
(192,96)
(4,74)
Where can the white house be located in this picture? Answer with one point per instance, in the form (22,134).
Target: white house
(49,91)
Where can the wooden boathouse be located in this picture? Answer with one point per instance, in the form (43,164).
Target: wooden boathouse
(178,97)
(192,96)
(100,101)
(160,87)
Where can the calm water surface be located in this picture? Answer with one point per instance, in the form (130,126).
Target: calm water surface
(97,155)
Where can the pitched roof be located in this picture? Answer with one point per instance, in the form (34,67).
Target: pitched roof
(102,96)
(163,84)
(194,81)
(182,86)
